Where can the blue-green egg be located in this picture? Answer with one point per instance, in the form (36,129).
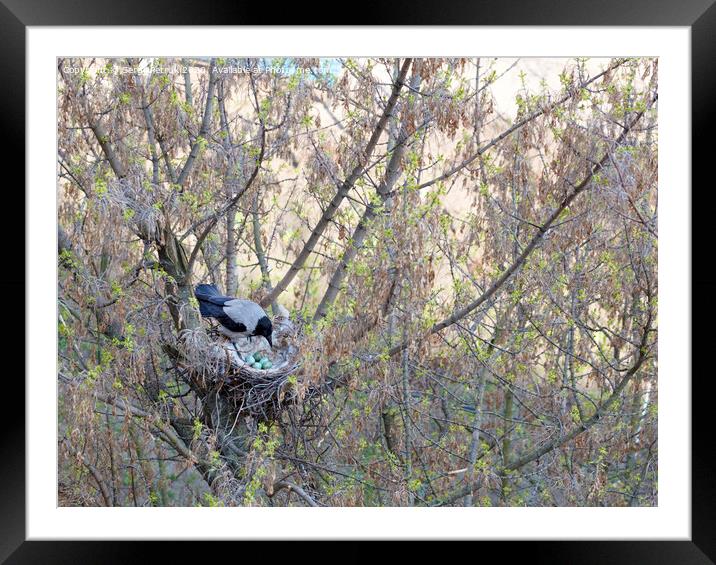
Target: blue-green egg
(257,366)
(266,364)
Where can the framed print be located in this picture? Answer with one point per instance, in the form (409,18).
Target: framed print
(362,283)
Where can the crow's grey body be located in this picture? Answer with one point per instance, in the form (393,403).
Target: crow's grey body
(236,317)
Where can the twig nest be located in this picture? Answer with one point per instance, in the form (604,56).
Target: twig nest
(259,378)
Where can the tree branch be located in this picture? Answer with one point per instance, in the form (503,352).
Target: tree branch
(279,485)
(204,129)
(585,425)
(361,231)
(213,219)
(104,491)
(342,191)
(103,138)
(516,126)
(527,251)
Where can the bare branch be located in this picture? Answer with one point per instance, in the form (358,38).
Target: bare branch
(279,485)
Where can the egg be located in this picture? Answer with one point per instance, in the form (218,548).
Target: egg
(266,364)
(257,366)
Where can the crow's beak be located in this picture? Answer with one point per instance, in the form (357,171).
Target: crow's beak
(268,338)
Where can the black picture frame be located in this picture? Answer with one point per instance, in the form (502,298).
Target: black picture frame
(699,15)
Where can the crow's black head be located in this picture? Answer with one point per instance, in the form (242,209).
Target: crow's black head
(264,328)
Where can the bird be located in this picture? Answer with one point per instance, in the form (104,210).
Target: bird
(238,318)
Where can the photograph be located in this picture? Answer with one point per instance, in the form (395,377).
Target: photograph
(357,281)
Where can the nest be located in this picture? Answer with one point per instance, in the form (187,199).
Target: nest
(260,392)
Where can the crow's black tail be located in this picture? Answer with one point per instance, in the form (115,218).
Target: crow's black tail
(204,293)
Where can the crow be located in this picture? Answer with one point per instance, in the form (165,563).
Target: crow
(236,317)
